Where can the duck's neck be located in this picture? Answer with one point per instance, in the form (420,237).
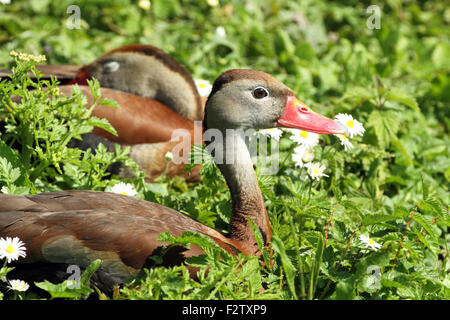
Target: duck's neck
(172,85)
(247,199)
(179,94)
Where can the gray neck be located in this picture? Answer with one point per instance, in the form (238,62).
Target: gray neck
(154,78)
(174,90)
(247,199)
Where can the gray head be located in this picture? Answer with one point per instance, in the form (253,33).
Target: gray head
(243,99)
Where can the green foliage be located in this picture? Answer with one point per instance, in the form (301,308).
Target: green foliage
(38,125)
(395,80)
(220,275)
(72,289)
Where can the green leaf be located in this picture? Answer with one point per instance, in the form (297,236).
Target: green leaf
(385,124)
(288,45)
(316,266)
(345,289)
(94,85)
(158,188)
(63,290)
(109,103)
(87,274)
(260,242)
(398,145)
(102,124)
(70,288)
(189,237)
(359,93)
(288,267)
(425,224)
(379,259)
(370,219)
(440,55)
(396,94)
(257,234)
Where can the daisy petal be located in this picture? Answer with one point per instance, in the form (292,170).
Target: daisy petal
(12,248)
(18,285)
(345,142)
(204,87)
(302,156)
(369,242)
(124,188)
(274,133)
(315,170)
(303,137)
(353,126)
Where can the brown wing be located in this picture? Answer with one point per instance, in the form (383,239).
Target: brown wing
(138,120)
(148,126)
(77,227)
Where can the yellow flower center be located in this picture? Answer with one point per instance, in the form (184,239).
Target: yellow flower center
(371,241)
(124,193)
(202,85)
(303,134)
(315,172)
(350,123)
(10,249)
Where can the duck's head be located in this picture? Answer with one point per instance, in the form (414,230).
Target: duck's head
(149,72)
(243,99)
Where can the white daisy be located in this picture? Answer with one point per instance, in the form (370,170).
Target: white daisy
(274,133)
(212,3)
(354,126)
(12,248)
(315,170)
(345,141)
(124,188)
(221,32)
(369,242)
(144,4)
(168,156)
(18,285)
(4,190)
(303,137)
(302,156)
(5,1)
(204,87)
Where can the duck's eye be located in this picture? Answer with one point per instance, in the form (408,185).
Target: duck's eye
(111,66)
(260,92)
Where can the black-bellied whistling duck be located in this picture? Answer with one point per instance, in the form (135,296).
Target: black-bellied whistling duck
(157,96)
(76,227)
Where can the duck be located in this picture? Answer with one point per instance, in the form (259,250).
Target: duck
(157,96)
(75,227)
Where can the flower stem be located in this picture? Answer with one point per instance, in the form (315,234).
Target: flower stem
(404,233)
(328,226)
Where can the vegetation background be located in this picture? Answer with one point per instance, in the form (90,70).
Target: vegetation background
(392,186)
